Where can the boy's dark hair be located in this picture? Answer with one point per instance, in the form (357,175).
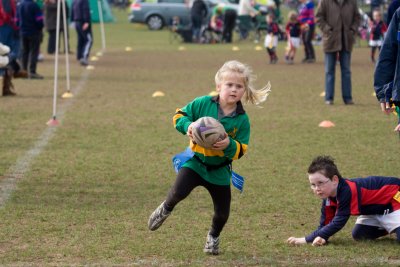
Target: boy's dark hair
(324,165)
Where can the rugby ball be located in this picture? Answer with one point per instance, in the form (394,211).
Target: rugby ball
(206,131)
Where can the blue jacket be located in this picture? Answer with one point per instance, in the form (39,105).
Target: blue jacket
(363,196)
(387,70)
(30,18)
(80,11)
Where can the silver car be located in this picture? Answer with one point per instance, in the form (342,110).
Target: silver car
(159,13)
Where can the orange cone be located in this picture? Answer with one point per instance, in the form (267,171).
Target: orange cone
(326,124)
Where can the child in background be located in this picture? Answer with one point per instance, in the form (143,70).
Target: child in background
(375,200)
(211,168)
(271,39)
(377,31)
(293,32)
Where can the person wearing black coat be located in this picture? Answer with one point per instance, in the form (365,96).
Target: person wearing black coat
(50,23)
(198,12)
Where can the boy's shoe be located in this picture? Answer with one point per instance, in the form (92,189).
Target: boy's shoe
(349,102)
(4,49)
(329,102)
(4,61)
(158,217)
(212,245)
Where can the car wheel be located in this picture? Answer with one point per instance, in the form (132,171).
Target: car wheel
(155,22)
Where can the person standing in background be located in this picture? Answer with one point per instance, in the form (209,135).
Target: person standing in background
(30,19)
(307,20)
(338,21)
(394,5)
(50,22)
(80,15)
(198,13)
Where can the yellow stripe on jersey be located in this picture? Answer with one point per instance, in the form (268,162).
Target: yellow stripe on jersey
(206,152)
(178,114)
(238,148)
(241,149)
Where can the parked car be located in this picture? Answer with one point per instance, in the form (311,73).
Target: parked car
(159,13)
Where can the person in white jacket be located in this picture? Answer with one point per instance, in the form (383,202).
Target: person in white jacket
(245,13)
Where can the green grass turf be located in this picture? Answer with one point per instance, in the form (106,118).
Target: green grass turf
(87,197)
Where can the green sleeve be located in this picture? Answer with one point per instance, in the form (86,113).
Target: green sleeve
(238,145)
(184,116)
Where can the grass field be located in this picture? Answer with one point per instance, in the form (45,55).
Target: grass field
(86,197)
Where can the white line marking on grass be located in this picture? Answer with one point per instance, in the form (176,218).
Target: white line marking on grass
(23,163)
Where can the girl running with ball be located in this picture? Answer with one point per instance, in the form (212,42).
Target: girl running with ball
(211,168)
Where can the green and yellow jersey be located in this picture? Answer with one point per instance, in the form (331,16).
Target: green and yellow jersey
(236,125)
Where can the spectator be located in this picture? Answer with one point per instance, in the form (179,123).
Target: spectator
(229,21)
(387,71)
(338,21)
(9,36)
(394,5)
(30,19)
(245,14)
(83,25)
(198,14)
(307,20)
(50,22)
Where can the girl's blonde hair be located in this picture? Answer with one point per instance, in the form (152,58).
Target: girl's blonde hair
(251,94)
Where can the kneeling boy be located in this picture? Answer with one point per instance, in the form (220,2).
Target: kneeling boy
(375,199)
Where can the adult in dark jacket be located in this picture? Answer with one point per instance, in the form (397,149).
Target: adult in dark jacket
(394,5)
(50,23)
(198,13)
(338,21)
(80,15)
(30,20)
(387,70)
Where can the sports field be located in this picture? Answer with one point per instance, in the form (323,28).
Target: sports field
(84,190)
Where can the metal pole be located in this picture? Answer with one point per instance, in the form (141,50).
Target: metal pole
(103,35)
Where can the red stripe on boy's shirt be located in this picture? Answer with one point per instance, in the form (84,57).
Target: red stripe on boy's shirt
(354,208)
(382,195)
(330,212)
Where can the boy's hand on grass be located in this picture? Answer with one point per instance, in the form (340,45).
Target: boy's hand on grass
(397,129)
(296,240)
(221,145)
(318,241)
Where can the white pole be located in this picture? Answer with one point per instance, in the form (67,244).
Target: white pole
(56,60)
(103,35)
(66,47)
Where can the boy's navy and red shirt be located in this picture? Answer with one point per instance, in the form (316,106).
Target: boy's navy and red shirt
(378,30)
(374,195)
(293,29)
